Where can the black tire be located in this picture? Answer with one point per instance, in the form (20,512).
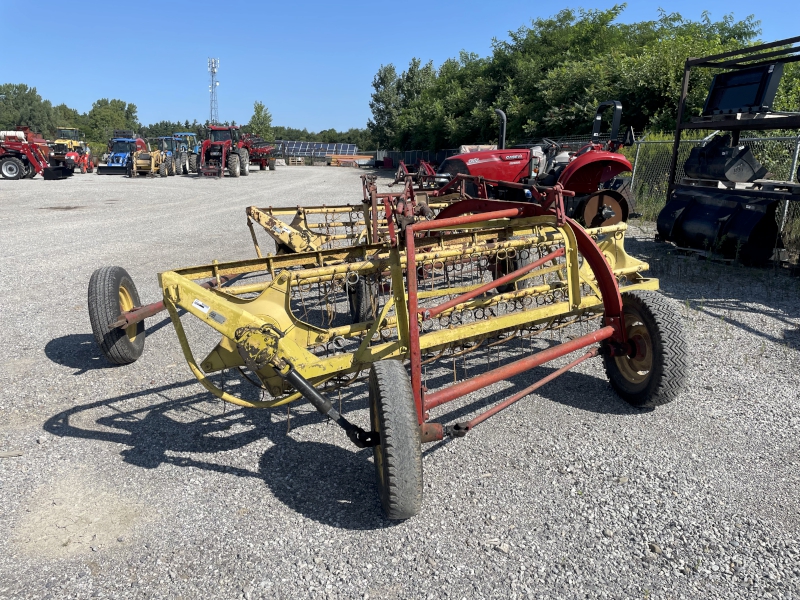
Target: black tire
(12,168)
(262,166)
(111,292)
(129,170)
(505,266)
(362,297)
(183,169)
(172,167)
(163,168)
(398,457)
(657,376)
(244,163)
(233,165)
(30,171)
(193,163)
(83,169)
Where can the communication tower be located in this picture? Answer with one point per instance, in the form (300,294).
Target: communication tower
(213,66)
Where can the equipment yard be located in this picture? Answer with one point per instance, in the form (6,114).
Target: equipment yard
(135,482)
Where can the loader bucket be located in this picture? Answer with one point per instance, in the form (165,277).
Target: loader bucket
(112,170)
(738,224)
(56,173)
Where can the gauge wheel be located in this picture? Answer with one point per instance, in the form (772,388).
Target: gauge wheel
(657,372)
(398,456)
(112,293)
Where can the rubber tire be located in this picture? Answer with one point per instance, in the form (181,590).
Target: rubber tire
(83,169)
(129,170)
(182,167)
(30,172)
(670,356)
(398,457)
(233,165)
(360,296)
(10,163)
(104,308)
(193,163)
(163,168)
(262,166)
(515,263)
(171,167)
(244,163)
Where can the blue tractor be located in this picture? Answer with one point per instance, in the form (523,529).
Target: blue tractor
(190,150)
(120,148)
(170,146)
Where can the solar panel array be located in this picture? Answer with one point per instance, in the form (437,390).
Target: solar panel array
(318,149)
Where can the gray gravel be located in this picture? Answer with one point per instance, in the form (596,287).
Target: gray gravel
(134,483)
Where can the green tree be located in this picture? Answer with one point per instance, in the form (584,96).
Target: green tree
(260,123)
(107,115)
(22,105)
(385,106)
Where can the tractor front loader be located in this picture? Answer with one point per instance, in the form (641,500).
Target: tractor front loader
(22,159)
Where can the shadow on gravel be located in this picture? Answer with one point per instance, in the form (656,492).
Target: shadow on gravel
(725,290)
(80,351)
(321,481)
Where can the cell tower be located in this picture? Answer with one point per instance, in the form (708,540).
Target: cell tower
(213,66)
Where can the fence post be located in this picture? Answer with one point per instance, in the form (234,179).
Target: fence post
(792,171)
(636,160)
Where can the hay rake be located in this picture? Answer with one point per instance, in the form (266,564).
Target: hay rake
(406,279)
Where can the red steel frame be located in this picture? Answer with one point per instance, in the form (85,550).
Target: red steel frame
(485,210)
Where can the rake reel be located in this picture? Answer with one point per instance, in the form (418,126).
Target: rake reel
(402,287)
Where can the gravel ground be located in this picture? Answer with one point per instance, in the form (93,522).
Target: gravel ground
(134,483)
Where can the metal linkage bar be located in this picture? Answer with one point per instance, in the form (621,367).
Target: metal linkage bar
(461,429)
(480,381)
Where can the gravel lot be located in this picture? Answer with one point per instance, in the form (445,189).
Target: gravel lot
(134,483)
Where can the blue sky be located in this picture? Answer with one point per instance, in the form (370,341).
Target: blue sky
(311,62)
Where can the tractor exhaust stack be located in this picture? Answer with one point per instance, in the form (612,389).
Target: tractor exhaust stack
(501,140)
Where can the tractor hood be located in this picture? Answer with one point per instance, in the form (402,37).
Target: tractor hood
(510,164)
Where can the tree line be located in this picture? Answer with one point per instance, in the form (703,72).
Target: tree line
(23,105)
(550,77)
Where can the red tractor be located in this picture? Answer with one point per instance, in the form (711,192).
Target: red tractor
(223,149)
(20,158)
(601,198)
(80,158)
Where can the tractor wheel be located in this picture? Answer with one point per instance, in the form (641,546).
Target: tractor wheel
(12,168)
(362,298)
(193,163)
(90,169)
(184,165)
(171,166)
(262,166)
(233,165)
(162,168)
(398,456)
(129,170)
(83,168)
(657,374)
(111,293)
(244,163)
(30,171)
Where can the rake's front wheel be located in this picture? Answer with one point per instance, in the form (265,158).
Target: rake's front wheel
(657,373)
(398,457)
(111,293)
